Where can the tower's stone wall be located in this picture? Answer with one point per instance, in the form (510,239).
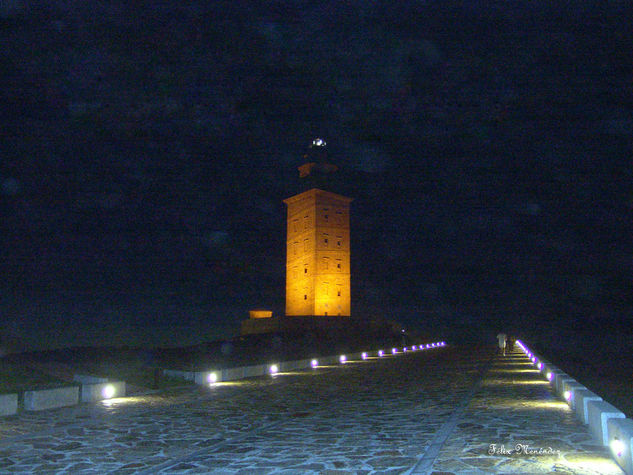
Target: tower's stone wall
(318,254)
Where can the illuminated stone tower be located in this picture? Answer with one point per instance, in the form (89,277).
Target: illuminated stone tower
(318,248)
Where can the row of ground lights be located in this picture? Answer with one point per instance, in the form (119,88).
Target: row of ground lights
(617,446)
(274,368)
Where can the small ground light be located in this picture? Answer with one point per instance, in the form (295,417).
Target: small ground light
(567,395)
(414,348)
(273,369)
(540,366)
(428,346)
(381,353)
(617,447)
(212,378)
(363,355)
(108,391)
(394,351)
(314,363)
(404,349)
(342,358)
(549,376)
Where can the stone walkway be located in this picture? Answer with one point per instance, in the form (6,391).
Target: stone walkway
(449,410)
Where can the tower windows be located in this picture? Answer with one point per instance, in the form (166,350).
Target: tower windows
(325,239)
(339,240)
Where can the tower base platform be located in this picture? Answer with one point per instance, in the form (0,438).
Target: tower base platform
(301,324)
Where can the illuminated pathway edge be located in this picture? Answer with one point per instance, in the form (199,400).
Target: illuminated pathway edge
(436,411)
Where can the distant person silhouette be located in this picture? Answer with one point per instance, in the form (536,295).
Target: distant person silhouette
(501,337)
(511,341)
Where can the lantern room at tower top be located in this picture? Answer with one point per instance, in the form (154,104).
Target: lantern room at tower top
(318,254)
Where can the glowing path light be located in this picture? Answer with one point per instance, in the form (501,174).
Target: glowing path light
(108,391)
(212,378)
(381,353)
(314,363)
(273,369)
(414,348)
(617,447)
(363,355)
(394,351)
(342,359)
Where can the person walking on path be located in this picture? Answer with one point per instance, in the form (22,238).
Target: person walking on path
(511,341)
(501,337)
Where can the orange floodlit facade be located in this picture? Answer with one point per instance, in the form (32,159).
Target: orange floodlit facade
(318,254)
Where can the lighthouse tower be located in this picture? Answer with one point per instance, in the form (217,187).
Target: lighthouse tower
(318,245)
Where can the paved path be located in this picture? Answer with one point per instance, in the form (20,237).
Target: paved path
(433,411)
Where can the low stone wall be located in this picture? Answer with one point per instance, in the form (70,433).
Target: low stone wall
(242,372)
(186,375)
(8,404)
(608,425)
(104,390)
(51,398)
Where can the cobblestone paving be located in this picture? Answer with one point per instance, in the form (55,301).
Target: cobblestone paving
(516,410)
(377,416)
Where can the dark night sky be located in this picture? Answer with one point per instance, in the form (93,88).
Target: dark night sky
(146,147)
